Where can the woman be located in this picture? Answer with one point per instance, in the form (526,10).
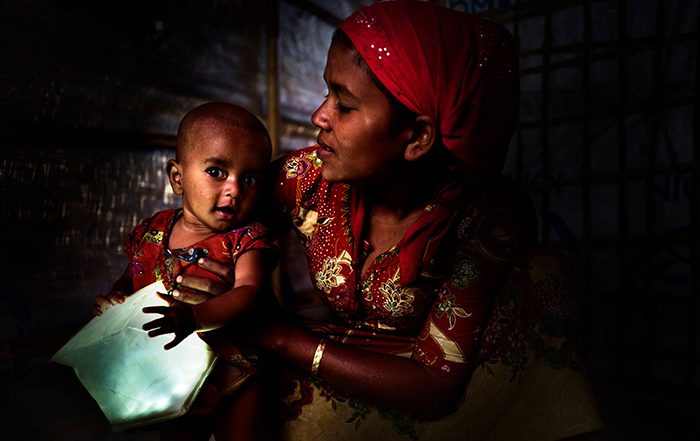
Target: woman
(416,245)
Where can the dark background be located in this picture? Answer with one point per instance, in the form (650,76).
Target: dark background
(608,144)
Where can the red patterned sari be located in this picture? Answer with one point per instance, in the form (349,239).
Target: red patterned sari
(439,298)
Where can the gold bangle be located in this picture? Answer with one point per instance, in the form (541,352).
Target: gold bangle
(318,355)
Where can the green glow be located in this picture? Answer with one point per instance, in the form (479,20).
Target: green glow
(133,379)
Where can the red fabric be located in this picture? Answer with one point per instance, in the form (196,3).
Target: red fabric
(436,316)
(457,68)
(150,260)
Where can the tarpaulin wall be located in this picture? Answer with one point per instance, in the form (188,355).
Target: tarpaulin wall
(91,93)
(608,143)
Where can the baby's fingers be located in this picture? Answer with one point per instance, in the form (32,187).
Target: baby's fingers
(164,324)
(102,303)
(174,342)
(156,310)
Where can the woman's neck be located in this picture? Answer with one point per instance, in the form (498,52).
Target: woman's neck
(388,216)
(394,203)
(392,206)
(400,194)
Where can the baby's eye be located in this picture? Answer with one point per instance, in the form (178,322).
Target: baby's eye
(250,181)
(215,172)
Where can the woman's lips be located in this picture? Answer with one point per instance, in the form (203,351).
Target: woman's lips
(324,151)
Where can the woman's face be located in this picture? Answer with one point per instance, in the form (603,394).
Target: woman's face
(357,141)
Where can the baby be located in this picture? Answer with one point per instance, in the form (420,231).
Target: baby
(222,154)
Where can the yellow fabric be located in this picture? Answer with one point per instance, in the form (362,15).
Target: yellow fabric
(544,404)
(528,386)
(550,404)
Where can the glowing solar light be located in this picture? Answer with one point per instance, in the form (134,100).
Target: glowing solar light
(131,408)
(181,388)
(161,404)
(133,379)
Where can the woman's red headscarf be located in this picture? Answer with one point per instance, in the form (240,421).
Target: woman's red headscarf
(457,68)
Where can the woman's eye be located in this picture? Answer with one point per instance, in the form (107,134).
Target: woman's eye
(342,109)
(250,181)
(215,172)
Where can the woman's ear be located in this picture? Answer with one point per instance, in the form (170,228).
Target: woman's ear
(424,133)
(173,169)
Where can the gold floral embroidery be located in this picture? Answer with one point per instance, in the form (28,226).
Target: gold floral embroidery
(450,349)
(366,287)
(465,272)
(153,236)
(397,299)
(295,167)
(306,223)
(378,325)
(315,160)
(330,275)
(228,252)
(449,307)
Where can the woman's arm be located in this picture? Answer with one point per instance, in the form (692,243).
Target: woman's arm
(183,318)
(221,310)
(444,354)
(384,379)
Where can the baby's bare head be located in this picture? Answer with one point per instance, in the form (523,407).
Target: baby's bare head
(209,120)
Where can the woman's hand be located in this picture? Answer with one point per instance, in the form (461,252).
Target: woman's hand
(103,303)
(178,319)
(195,290)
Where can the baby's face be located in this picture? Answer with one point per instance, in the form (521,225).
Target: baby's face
(221,176)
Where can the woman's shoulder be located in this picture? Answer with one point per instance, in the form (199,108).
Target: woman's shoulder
(299,163)
(501,195)
(499,219)
(298,182)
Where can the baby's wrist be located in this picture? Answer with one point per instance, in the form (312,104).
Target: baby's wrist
(196,316)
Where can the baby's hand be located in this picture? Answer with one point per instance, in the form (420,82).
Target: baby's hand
(178,319)
(103,303)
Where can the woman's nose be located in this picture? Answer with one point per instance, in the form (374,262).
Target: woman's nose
(320,117)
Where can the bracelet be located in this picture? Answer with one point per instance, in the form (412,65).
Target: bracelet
(317,356)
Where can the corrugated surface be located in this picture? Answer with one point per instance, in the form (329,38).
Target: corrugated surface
(66,214)
(134,66)
(303,44)
(608,145)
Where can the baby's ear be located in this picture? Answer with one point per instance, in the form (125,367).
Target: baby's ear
(174,171)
